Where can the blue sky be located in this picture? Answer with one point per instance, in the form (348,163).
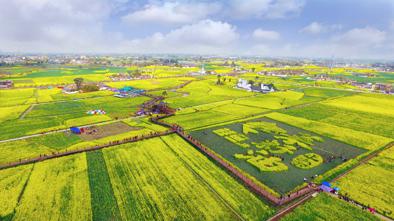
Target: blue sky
(296,28)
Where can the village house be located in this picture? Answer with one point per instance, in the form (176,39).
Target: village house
(263,88)
(6,84)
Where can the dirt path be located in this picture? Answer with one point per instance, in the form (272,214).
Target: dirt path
(26,111)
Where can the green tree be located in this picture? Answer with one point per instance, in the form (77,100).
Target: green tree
(78,83)
(218,81)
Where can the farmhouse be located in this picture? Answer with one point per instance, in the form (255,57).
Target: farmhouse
(6,84)
(263,88)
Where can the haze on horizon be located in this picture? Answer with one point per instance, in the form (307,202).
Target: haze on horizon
(293,28)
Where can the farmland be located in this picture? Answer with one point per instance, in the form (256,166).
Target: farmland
(308,131)
(371,183)
(57,189)
(372,123)
(152,201)
(12,183)
(104,205)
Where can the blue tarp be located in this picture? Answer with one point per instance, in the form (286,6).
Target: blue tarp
(325,183)
(75,130)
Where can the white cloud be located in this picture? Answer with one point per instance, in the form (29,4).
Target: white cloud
(269,9)
(205,36)
(318,28)
(392,25)
(361,37)
(171,13)
(54,25)
(313,28)
(263,35)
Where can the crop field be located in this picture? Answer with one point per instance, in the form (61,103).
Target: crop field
(104,205)
(204,92)
(11,113)
(325,93)
(276,154)
(214,113)
(151,84)
(328,208)
(243,201)
(371,103)
(15,97)
(144,181)
(36,76)
(12,182)
(371,183)
(373,123)
(356,138)
(21,149)
(57,190)
(276,100)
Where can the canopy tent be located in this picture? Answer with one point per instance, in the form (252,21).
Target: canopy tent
(75,130)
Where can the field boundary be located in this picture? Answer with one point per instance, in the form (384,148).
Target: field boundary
(93,148)
(205,182)
(30,108)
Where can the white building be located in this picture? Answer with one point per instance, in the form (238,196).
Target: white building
(263,88)
(244,84)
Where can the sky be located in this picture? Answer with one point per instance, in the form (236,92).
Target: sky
(351,29)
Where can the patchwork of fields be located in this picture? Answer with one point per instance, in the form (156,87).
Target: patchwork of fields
(129,181)
(282,140)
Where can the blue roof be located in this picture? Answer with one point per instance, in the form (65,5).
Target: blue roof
(325,183)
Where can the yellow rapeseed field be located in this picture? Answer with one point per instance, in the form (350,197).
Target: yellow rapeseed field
(58,189)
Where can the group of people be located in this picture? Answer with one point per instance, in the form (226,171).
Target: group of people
(347,199)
